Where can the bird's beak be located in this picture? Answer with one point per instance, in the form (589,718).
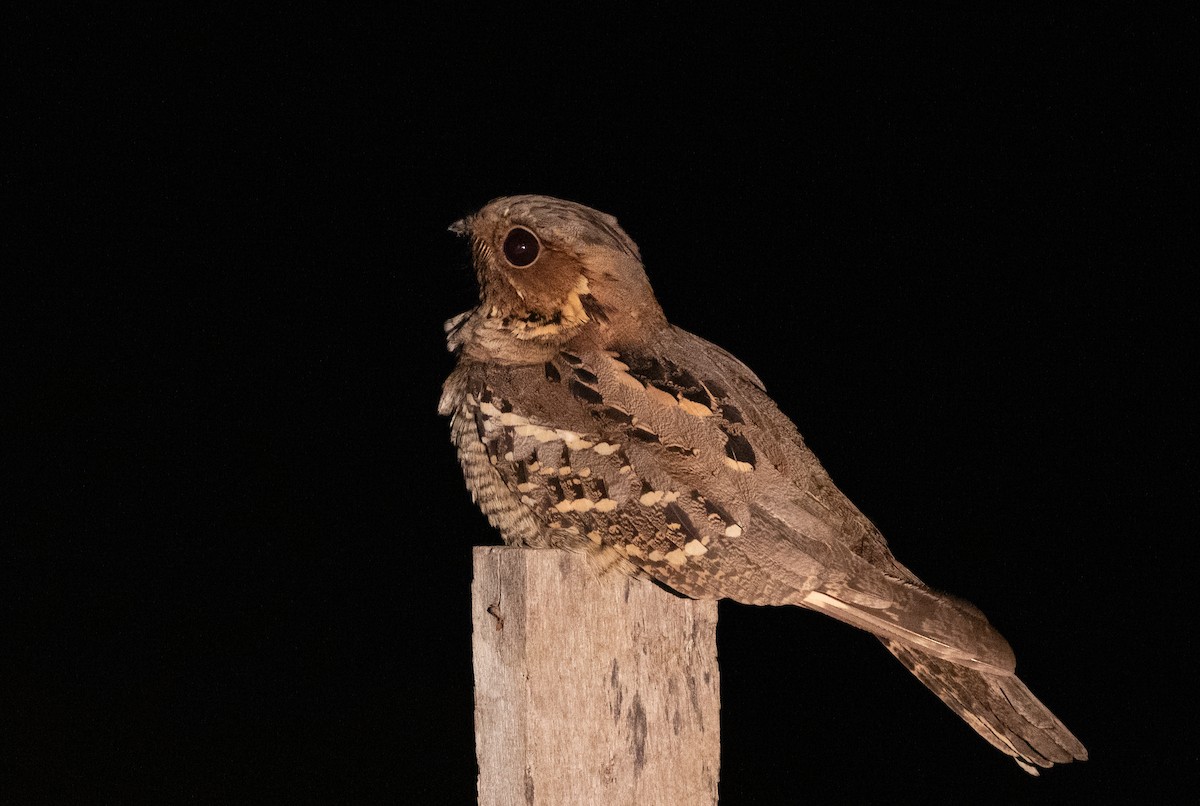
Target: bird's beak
(459,227)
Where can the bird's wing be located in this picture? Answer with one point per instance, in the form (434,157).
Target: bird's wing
(794,499)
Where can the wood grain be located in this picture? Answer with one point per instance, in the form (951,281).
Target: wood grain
(590,688)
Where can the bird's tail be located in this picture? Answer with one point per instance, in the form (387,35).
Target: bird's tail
(999,707)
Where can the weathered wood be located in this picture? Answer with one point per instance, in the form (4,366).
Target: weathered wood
(590,689)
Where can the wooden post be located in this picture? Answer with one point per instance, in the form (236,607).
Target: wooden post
(590,689)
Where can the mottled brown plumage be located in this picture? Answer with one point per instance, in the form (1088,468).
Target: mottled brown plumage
(584,420)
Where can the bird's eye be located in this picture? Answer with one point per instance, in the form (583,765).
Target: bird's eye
(521,246)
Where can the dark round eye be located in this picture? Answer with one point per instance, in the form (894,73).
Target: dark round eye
(521,247)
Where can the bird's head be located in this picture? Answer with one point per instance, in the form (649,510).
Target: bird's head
(553,271)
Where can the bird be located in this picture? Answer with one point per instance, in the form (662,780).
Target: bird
(584,420)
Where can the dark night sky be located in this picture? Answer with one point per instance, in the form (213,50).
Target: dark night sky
(951,245)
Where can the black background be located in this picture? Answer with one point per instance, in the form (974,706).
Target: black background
(955,245)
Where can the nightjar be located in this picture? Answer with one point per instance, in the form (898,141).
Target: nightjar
(585,420)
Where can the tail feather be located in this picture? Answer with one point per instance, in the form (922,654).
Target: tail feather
(999,707)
